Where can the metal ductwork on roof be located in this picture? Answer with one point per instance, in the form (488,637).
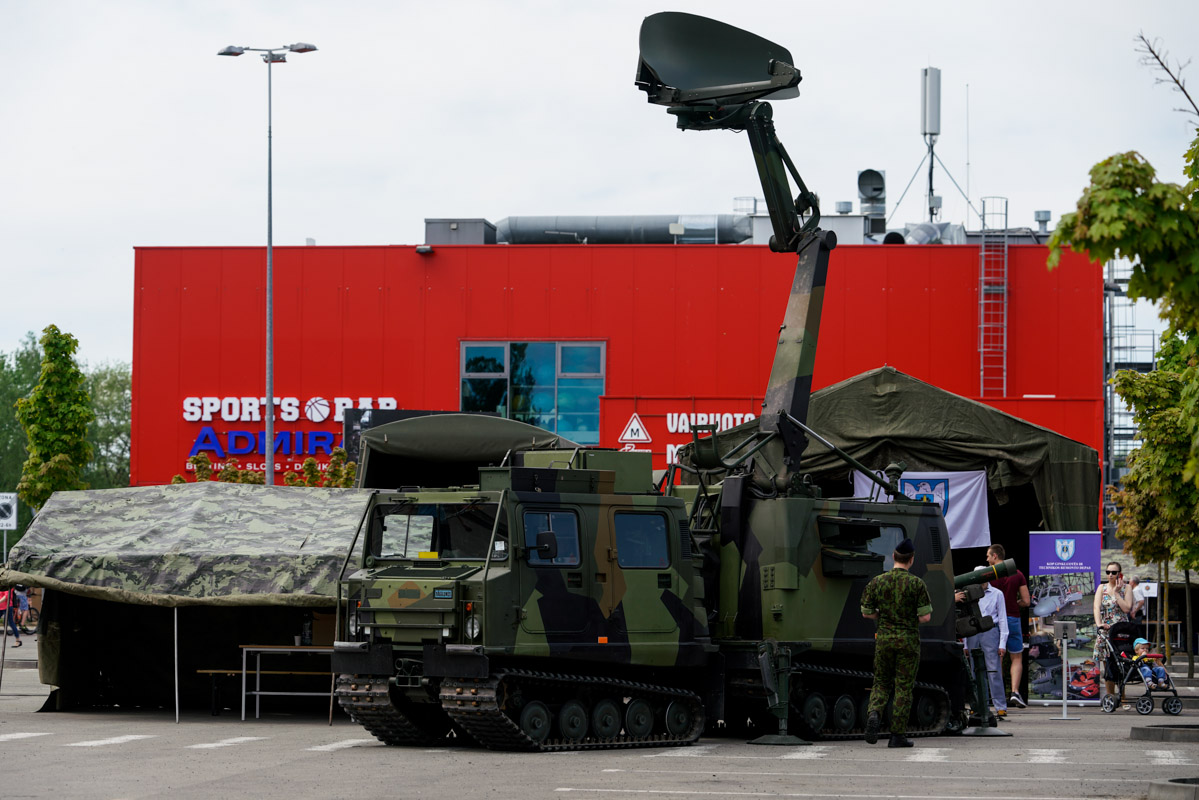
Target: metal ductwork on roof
(622,229)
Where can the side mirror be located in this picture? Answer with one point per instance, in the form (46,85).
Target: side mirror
(547,545)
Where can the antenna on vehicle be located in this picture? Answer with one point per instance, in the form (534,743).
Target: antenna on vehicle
(712,76)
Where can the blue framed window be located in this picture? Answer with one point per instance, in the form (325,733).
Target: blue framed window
(553,385)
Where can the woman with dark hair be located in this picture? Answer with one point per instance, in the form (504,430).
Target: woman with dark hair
(1113,602)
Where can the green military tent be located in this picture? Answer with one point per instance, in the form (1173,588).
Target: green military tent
(883,415)
(229,564)
(1037,479)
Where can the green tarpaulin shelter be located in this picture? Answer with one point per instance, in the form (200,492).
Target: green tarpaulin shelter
(193,570)
(445,449)
(883,415)
(191,544)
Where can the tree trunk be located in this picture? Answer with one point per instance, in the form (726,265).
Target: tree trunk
(1190,629)
(1166,610)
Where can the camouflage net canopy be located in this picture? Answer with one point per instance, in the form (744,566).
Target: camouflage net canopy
(445,449)
(192,544)
(883,415)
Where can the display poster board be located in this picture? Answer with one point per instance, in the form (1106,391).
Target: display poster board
(1062,577)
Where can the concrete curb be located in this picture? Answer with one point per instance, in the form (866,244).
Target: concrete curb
(1166,733)
(1175,789)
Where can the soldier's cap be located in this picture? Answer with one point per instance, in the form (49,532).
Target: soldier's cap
(905,547)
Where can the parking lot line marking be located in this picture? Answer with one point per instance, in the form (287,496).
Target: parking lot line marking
(831,795)
(113,740)
(925,776)
(808,753)
(225,742)
(1166,757)
(8,737)
(929,754)
(694,751)
(342,745)
(1046,756)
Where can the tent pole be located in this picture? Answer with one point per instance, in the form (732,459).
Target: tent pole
(176,665)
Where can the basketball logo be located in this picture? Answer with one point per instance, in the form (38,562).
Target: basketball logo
(317,409)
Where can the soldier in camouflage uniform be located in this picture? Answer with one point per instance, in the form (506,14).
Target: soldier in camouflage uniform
(900,602)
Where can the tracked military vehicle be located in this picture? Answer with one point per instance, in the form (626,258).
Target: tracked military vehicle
(561,600)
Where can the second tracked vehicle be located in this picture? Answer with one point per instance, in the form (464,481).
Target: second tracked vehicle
(554,597)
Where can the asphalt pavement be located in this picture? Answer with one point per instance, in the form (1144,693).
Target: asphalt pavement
(143,754)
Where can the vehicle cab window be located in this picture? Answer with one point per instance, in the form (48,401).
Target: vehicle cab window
(565,527)
(641,540)
(461,530)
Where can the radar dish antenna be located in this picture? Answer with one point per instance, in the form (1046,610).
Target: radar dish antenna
(712,76)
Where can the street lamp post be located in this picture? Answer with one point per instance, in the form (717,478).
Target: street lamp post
(271,55)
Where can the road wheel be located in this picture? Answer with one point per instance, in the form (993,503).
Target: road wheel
(572,721)
(678,718)
(639,719)
(925,712)
(605,720)
(535,721)
(845,714)
(813,715)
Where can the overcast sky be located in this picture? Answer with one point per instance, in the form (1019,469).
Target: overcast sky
(122,128)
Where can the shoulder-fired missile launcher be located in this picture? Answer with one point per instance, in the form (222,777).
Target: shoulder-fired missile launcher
(562,601)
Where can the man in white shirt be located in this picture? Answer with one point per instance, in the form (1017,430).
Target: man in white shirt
(1138,600)
(993,644)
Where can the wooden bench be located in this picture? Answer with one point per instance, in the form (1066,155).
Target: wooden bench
(236,673)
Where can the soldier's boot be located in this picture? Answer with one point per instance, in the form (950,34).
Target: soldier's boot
(872,725)
(899,740)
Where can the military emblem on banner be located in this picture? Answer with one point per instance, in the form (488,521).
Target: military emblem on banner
(1064,549)
(930,490)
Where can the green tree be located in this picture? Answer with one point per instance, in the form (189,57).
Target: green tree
(18,376)
(55,417)
(1127,213)
(340,474)
(110,387)
(1159,508)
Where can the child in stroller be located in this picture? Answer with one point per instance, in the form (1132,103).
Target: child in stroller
(1125,665)
(1152,671)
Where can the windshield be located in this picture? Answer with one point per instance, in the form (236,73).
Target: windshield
(437,530)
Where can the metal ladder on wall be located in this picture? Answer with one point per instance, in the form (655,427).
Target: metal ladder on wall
(992,299)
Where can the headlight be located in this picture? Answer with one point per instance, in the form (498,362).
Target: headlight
(352,624)
(473,627)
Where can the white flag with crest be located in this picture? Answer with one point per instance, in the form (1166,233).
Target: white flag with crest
(961,495)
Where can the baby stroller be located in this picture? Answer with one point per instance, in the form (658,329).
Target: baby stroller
(1121,668)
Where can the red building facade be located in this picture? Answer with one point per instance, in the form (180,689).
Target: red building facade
(576,337)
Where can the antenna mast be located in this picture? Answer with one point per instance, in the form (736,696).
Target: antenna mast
(930,128)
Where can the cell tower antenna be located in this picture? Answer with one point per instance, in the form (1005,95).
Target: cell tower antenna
(930,128)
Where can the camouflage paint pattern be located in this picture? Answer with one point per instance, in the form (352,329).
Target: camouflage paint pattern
(776,581)
(790,384)
(899,599)
(595,609)
(895,666)
(192,544)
